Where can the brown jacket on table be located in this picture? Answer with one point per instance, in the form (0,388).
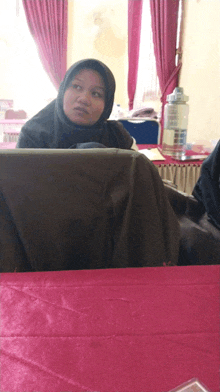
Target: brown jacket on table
(83,209)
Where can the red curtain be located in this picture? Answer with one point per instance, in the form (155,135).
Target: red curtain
(134,31)
(164,17)
(47,21)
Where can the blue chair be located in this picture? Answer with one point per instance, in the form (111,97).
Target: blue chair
(144,131)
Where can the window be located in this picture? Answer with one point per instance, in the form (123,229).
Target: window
(147,90)
(25,77)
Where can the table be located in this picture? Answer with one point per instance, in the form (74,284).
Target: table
(115,330)
(183,174)
(7,145)
(8,125)
(11,135)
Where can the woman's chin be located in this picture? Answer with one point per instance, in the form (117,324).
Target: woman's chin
(79,120)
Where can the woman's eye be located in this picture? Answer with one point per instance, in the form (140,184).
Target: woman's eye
(76,86)
(97,94)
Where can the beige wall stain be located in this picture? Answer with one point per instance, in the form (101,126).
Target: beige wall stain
(108,44)
(98,29)
(108,40)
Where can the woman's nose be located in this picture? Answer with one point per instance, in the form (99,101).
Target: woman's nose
(84,97)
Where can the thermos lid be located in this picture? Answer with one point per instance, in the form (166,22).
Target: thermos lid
(177,96)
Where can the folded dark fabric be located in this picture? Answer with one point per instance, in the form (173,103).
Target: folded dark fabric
(199,238)
(87,145)
(200,242)
(207,188)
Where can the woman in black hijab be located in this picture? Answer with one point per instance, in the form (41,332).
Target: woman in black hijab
(78,117)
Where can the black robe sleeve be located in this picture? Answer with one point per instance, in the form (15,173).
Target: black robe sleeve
(207,188)
(30,139)
(117,136)
(38,132)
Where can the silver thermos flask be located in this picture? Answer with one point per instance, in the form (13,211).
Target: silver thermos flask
(175,123)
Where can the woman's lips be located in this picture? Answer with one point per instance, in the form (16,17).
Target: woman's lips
(81,110)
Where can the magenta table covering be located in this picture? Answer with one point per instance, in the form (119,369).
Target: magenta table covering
(113,330)
(168,159)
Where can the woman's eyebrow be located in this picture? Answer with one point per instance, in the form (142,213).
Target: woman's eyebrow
(77,78)
(81,80)
(101,88)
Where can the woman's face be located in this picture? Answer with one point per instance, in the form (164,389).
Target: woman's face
(84,99)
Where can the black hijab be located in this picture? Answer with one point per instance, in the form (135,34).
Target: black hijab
(109,82)
(51,128)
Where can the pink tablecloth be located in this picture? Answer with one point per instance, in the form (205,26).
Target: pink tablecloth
(113,330)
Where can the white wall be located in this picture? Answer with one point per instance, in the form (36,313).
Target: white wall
(98,29)
(7,13)
(200,74)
